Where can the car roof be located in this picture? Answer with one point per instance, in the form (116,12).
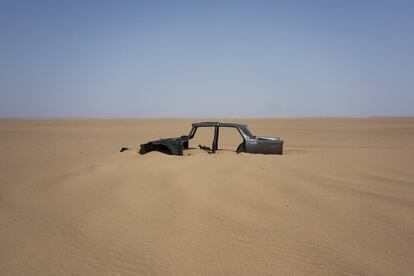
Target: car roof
(213,124)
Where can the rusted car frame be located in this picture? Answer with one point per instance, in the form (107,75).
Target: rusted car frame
(250,144)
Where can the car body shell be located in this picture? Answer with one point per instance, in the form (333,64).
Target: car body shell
(250,144)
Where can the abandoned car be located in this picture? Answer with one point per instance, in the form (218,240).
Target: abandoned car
(250,144)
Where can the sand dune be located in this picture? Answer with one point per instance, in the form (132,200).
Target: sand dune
(340,201)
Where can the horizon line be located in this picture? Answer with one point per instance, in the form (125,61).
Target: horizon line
(209,118)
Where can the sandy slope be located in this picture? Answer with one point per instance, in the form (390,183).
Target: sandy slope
(340,201)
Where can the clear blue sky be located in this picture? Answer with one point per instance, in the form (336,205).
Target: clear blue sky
(206,58)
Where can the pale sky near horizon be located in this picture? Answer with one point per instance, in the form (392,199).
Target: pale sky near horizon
(206,58)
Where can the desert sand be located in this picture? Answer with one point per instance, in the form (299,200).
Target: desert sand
(340,201)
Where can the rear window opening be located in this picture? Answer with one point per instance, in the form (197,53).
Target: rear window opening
(203,136)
